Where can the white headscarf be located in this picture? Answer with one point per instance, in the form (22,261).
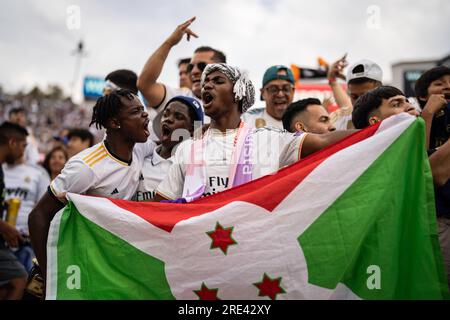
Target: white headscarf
(243,88)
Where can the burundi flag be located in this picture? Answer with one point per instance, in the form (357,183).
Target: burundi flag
(353,221)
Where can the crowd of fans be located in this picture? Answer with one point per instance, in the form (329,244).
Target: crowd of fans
(46,115)
(144,129)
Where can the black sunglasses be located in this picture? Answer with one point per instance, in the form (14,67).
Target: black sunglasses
(200,65)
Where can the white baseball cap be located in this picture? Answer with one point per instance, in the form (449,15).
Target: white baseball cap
(365,69)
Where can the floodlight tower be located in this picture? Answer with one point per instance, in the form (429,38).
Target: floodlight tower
(79,54)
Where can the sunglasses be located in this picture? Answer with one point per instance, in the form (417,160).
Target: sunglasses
(200,65)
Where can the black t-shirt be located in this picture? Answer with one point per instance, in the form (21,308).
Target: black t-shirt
(440,128)
(442,195)
(2,193)
(2,202)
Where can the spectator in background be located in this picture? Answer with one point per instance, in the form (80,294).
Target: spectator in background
(18,116)
(27,183)
(13,276)
(278,92)
(362,77)
(185,81)
(54,161)
(433,93)
(307,115)
(78,140)
(121,79)
(61,139)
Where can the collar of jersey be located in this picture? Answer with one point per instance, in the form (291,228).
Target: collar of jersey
(156,158)
(114,157)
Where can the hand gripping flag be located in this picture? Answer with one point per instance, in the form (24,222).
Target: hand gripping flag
(353,221)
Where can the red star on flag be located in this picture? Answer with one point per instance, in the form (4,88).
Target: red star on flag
(269,287)
(207,294)
(221,238)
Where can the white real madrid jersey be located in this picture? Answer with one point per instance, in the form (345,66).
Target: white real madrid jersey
(27,183)
(95,171)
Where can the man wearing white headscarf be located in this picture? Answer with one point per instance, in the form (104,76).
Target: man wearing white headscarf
(231,152)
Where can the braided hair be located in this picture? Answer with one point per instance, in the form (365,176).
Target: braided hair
(108,106)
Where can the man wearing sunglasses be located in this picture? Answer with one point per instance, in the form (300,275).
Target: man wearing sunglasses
(278,92)
(158,94)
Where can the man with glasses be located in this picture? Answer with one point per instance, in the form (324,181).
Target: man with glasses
(158,94)
(277,91)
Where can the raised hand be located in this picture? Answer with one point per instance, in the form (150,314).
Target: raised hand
(180,31)
(337,68)
(434,104)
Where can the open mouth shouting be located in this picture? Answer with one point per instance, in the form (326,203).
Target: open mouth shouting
(146,131)
(207,99)
(280,104)
(166,132)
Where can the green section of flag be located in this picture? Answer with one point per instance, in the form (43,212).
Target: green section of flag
(385,219)
(109,267)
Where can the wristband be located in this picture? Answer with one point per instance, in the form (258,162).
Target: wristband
(331,81)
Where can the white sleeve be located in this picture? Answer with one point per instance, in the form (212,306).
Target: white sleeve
(172,185)
(76,177)
(290,147)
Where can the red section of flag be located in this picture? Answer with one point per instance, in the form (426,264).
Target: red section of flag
(258,192)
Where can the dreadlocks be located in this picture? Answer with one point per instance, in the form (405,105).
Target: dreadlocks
(107,107)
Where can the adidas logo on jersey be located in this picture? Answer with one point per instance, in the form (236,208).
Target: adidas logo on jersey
(141,177)
(115,191)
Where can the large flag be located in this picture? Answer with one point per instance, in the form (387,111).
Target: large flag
(353,221)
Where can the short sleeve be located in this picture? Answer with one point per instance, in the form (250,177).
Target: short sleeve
(290,147)
(76,177)
(172,185)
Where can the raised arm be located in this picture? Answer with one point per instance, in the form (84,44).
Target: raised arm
(434,104)
(342,99)
(147,83)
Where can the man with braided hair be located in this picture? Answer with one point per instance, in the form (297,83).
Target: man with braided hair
(109,169)
(232,152)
